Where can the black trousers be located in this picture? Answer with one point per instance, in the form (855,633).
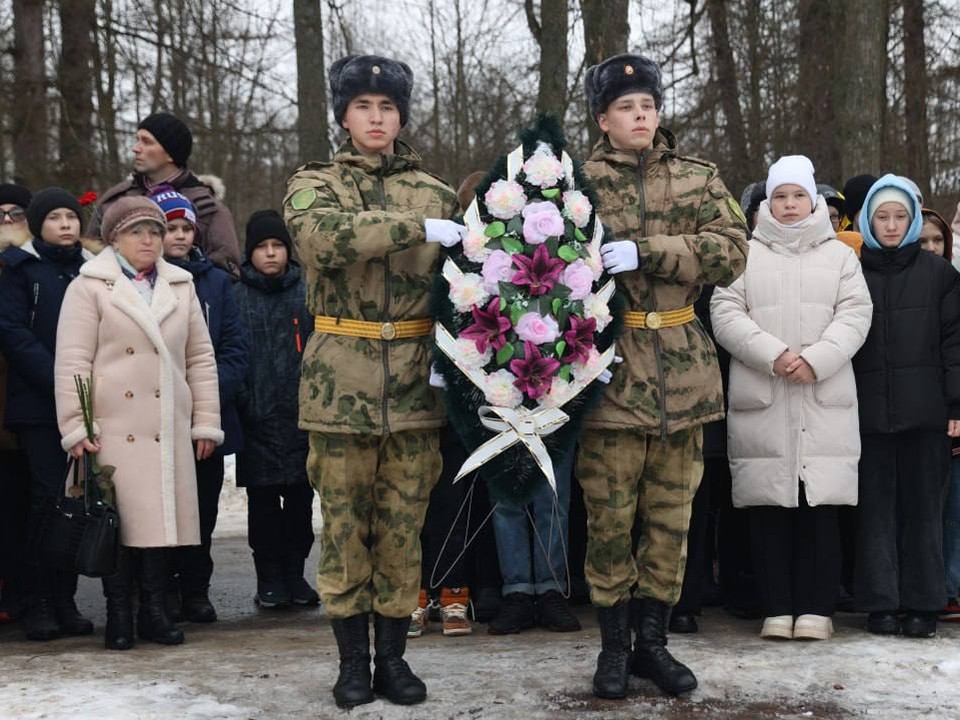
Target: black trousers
(280,520)
(14,510)
(444,534)
(738,580)
(699,569)
(193,564)
(796,554)
(47,463)
(899,558)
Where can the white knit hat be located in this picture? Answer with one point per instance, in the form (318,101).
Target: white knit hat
(792,170)
(890,194)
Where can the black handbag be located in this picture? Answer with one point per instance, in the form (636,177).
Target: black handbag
(80,534)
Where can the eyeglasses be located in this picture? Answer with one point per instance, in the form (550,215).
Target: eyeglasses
(15,215)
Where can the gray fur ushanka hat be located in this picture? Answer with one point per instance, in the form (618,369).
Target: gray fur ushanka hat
(357,74)
(619,75)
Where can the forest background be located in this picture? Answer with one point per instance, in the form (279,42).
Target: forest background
(859,86)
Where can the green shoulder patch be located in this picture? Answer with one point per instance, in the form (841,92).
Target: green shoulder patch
(736,210)
(303,199)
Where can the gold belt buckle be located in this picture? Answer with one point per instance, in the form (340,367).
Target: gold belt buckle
(653,320)
(388,331)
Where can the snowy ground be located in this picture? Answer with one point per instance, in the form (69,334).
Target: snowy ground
(255,664)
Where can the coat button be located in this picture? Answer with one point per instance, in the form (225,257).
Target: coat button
(156,438)
(129,351)
(128,394)
(156,393)
(130,438)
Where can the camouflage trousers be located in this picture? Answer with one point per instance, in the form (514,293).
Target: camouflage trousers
(626,477)
(373,492)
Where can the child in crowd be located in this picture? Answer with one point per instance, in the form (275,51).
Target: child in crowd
(792,322)
(272,463)
(908,383)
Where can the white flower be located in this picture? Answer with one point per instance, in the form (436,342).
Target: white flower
(469,357)
(500,390)
(577,207)
(594,261)
(475,246)
(543,168)
(555,398)
(594,307)
(591,367)
(467,291)
(505,199)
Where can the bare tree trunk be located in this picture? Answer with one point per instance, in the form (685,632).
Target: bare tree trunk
(550,32)
(312,126)
(30,89)
(739,172)
(916,85)
(105,67)
(755,65)
(606,31)
(861,93)
(78,169)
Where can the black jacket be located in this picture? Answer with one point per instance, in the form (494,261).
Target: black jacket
(32,286)
(908,370)
(228,335)
(275,313)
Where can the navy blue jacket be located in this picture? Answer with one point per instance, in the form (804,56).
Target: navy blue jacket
(228,333)
(274,309)
(32,287)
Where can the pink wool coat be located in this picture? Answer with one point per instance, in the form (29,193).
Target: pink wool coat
(155,391)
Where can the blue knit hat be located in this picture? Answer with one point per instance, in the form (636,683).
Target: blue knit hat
(174,205)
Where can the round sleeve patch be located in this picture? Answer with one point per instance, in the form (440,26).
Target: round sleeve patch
(303,199)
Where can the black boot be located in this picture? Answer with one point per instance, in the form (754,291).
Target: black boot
(517,613)
(65,607)
(353,641)
(40,619)
(300,591)
(920,624)
(117,590)
(272,589)
(196,607)
(392,676)
(553,613)
(650,656)
(153,623)
(610,680)
(883,622)
(683,623)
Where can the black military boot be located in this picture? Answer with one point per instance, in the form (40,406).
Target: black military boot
(117,590)
(392,676)
(65,607)
(153,623)
(195,606)
(272,589)
(40,619)
(353,641)
(650,656)
(610,680)
(300,591)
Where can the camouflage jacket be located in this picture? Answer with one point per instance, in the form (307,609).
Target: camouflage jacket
(690,232)
(357,223)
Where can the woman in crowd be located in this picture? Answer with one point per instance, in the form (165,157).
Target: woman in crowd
(133,324)
(792,322)
(908,383)
(32,286)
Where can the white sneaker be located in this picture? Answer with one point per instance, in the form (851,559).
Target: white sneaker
(418,622)
(813,627)
(779,627)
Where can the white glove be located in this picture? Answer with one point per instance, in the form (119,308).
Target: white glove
(620,256)
(446,232)
(436,379)
(606,376)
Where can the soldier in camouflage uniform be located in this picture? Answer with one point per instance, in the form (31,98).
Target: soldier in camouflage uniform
(640,454)
(370,255)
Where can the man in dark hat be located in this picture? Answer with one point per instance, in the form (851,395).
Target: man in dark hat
(678,229)
(365,228)
(160,157)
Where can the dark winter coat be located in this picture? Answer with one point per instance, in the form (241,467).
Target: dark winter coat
(714,433)
(228,333)
(32,287)
(274,310)
(908,371)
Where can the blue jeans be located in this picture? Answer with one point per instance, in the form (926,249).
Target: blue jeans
(951,530)
(547,568)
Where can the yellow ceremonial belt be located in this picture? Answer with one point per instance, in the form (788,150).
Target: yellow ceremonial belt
(657,320)
(400,330)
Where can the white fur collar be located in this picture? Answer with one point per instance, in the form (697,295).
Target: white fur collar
(106,267)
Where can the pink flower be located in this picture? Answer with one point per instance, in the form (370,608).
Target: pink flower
(579,278)
(533,327)
(496,268)
(539,273)
(489,327)
(579,339)
(595,261)
(505,199)
(543,168)
(594,307)
(534,372)
(541,220)
(577,207)
(468,290)
(499,389)
(475,246)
